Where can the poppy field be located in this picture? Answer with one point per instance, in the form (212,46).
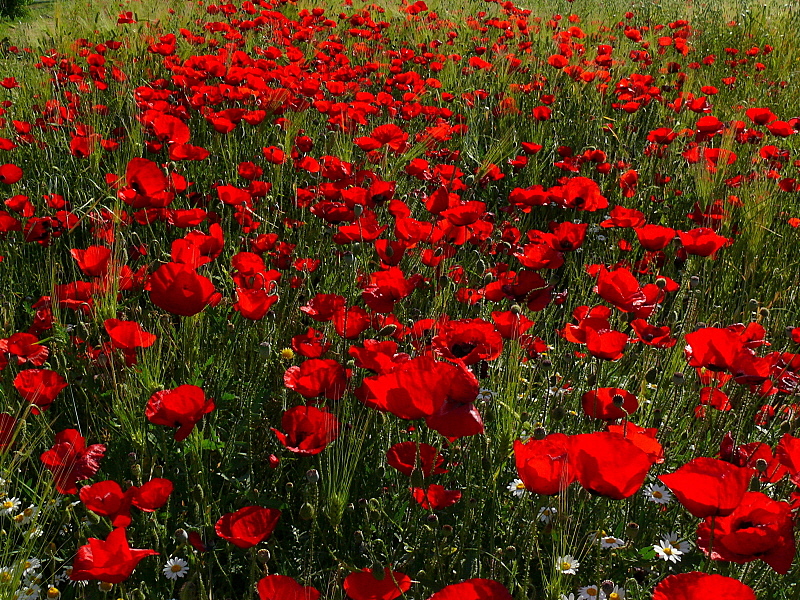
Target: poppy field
(480,300)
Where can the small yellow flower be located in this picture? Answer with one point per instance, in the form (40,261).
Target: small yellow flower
(287,354)
(53,593)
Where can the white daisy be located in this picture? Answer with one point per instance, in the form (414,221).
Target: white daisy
(175,568)
(617,593)
(484,395)
(30,592)
(9,506)
(589,592)
(517,488)
(24,517)
(676,541)
(6,575)
(30,566)
(667,551)
(657,493)
(612,542)
(567,565)
(546,514)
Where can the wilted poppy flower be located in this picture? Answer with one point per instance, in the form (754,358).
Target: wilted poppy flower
(308,429)
(435,497)
(701,586)
(407,456)
(758,528)
(608,464)
(708,487)
(473,589)
(248,526)
(182,407)
(39,387)
(281,587)
(317,377)
(180,289)
(609,404)
(112,560)
(70,460)
(362,585)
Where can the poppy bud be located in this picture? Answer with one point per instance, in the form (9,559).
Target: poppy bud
(197,493)
(651,376)
(678,378)
(516,309)
(632,530)
(694,282)
(432,519)
(348,258)
(557,413)
(263,556)
(447,530)
(307,512)
(358,536)
(264,350)
(358,210)
(374,505)
(181,537)
(539,433)
(289,486)
(92,517)
(312,476)
(591,379)
(607,586)
(387,330)
(753,304)
(764,312)
(136,471)
(188,591)
(510,551)
(657,418)
(785,427)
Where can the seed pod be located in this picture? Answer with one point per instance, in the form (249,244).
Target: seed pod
(307,512)
(263,556)
(312,476)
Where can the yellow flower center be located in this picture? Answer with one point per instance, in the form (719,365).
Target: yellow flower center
(657,494)
(53,593)
(8,504)
(613,596)
(5,577)
(28,512)
(175,568)
(591,592)
(520,486)
(565,566)
(19,518)
(667,550)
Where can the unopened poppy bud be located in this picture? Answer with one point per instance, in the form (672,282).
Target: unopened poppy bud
(447,530)
(136,470)
(273,461)
(93,517)
(358,210)
(694,282)
(181,537)
(263,556)
(678,378)
(289,486)
(197,493)
(348,258)
(753,304)
(539,433)
(374,505)
(488,277)
(657,418)
(510,551)
(188,591)
(387,330)
(607,586)
(785,427)
(307,512)
(632,530)
(591,379)
(312,476)
(421,575)
(138,594)
(158,471)
(358,536)
(264,350)
(651,376)
(432,519)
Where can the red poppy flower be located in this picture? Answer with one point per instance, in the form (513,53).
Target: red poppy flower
(281,587)
(106,498)
(758,528)
(701,586)
(70,460)
(407,456)
(657,337)
(111,560)
(608,464)
(543,465)
(709,487)
(308,429)
(435,497)
(702,241)
(25,347)
(643,438)
(182,407)
(10,173)
(470,340)
(606,344)
(248,526)
(580,193)
(93,261)
(317,377)
(181,290)
(609,404)
(128,335)
(39,387)
(473,589)
(363,585)
(8,430)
